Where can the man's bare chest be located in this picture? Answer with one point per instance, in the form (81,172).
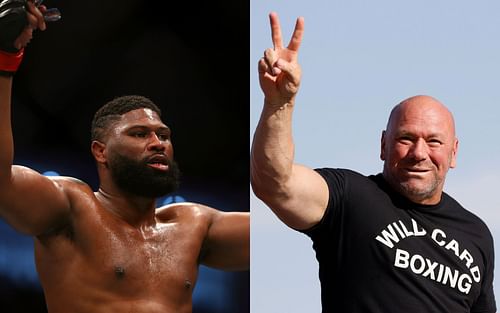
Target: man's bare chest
(132,262)
(123,261)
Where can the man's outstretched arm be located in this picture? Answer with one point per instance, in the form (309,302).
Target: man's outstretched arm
(227,244)
(295,193)
(29,202)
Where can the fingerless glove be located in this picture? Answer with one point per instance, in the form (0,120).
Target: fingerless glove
(13,20)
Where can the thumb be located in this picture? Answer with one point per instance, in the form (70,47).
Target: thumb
(291,70)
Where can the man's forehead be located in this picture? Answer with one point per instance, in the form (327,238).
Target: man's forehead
(140,117)
(425,122)
(142,113)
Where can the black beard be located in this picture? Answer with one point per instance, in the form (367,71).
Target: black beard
(137,178)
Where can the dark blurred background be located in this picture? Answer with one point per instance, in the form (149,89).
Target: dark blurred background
(190,59)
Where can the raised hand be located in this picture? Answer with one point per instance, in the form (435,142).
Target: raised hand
(35,21)
(279,71)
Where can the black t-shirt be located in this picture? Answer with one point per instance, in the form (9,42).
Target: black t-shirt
(380,253)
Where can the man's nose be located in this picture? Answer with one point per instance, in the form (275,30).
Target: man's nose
(419,150)
(156,143)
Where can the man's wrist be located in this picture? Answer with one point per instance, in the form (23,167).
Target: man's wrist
(10,62)
(279,105)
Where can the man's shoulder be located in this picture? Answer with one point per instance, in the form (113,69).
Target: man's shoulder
(461,213)
(72,186)
(68,182)
(347,178)
(183,210)
(344,173)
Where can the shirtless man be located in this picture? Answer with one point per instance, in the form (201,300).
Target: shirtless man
(112,250)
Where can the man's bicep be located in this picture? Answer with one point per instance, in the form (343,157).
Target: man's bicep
(227,245)
(304,199)
(32,203)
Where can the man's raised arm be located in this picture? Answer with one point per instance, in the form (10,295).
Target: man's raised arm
(29,202)
(296,194)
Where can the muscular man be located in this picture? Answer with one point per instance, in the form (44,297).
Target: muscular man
(112,250)
(392,242)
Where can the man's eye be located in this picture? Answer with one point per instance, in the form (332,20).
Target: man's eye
(405,139)
(140,135)
(435,142)
(163,137)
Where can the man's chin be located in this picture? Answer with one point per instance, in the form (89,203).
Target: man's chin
(417,192)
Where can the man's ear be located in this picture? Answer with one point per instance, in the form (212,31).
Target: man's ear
(382,146)
(454,151)
(98,151)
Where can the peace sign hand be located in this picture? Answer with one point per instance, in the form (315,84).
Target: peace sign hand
(279,71)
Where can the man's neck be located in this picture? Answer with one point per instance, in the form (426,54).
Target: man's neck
(137,211)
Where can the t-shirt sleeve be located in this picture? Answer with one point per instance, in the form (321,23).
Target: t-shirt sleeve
(336,181)
(485,303)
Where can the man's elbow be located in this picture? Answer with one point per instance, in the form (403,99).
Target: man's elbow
(273,193)
(262,190)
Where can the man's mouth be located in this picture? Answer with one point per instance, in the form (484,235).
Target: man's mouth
(159,162)
(158,166)
(416,171)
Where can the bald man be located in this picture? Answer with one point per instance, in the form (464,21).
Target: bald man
(392,242)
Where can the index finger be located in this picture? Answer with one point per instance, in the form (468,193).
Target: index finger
(297,35)
(33,10)
(275,30)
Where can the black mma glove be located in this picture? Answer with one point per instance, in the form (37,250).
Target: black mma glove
(13,20)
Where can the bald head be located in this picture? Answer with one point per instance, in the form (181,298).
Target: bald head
(424,108)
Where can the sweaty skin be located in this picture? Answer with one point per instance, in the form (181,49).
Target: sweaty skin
(109,251)
(112,250)
(100,263)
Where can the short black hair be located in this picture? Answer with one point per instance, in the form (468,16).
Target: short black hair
(111,112)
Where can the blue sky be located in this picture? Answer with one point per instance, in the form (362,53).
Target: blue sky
(359,59)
